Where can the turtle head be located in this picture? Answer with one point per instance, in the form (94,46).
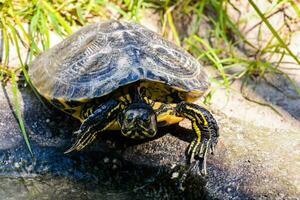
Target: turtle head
(138,121)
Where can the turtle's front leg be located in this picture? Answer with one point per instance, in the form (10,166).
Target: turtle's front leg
(206,130)
(101,118)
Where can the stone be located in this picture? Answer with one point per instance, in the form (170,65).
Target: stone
(250,161)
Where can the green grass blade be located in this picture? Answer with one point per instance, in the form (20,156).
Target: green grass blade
(295,7)
(173,28)
(16,42)
(274,32)
(44,32)
(21,28)
(211,55)
(6,43)
(18,111)
(33,33)
(79,14)
(15,89)
(57,16)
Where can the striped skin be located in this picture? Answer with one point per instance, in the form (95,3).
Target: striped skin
(104,116)
(165,116)
(155,94)
(207,132)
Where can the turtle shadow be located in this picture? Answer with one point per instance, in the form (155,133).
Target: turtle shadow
(175,130)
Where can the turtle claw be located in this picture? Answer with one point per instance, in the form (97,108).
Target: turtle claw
(198,150)
(74,146)
(212,149)
(83,138)
(197,155)
(77,132)
(70,150)
(214,141)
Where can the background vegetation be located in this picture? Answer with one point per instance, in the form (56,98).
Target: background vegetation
(205,28)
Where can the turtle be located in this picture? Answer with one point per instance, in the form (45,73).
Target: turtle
(119,75)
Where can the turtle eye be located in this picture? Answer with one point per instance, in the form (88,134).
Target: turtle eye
(145,117)
(130,117)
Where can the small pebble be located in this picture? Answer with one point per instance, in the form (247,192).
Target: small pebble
(114,167)
(173,166)
(106,160)
(115,160)
(175,175)
(47,120)
(229,189)
(17,165)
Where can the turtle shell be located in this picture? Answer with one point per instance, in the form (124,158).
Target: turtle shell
(102,57)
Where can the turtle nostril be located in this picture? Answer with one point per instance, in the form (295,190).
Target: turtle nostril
(144,117)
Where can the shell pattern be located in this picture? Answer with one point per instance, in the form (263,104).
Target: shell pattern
(101,57)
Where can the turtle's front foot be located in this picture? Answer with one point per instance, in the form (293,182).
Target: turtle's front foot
(196,157)
(197,153)
(207,133)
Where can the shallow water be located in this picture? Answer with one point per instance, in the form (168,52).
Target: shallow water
(47,187)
